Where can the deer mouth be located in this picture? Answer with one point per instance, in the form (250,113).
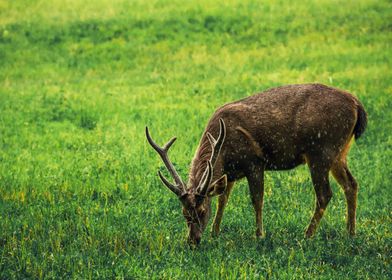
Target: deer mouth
(194,236)
(194,241)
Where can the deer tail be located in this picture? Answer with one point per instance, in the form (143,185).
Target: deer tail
(360,126)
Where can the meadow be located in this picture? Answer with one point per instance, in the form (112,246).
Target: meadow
(80,80)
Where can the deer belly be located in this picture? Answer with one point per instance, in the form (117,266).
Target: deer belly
(284,162)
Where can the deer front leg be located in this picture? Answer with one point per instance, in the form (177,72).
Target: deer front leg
(256,186)
(222,201)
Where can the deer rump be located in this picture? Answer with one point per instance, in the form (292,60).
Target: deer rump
(282,126)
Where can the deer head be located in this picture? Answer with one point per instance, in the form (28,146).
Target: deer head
(195,198)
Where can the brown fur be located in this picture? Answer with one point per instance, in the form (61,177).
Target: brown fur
(278,129)
(287,125)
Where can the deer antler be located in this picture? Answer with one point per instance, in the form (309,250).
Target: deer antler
(206,179)
(178,189)
(216,145)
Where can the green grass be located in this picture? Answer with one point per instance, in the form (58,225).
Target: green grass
(79,195)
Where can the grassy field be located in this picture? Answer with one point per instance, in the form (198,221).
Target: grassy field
(79,81)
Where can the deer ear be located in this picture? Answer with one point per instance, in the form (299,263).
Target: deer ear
(218,187)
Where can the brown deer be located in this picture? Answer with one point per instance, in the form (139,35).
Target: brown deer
(277,129)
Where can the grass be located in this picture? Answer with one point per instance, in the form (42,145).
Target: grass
(79,195)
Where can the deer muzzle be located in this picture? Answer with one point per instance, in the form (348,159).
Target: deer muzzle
(194,236)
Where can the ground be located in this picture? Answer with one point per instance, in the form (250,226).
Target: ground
(79,81)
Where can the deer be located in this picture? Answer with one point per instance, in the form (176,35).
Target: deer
(278,129)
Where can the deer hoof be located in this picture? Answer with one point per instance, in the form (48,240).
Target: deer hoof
(260,234)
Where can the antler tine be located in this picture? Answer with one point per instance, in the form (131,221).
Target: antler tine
(168,144)
(165,158)
(211,139)
(217,144)
(205,182)
(155,145)
(170,186)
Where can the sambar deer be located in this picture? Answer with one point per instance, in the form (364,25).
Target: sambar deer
(277,129)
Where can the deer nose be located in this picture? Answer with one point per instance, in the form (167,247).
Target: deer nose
(197,240)
(194,241)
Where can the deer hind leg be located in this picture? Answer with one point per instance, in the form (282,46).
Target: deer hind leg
(323,192)
(222,201)
(256,187)
(343,176)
